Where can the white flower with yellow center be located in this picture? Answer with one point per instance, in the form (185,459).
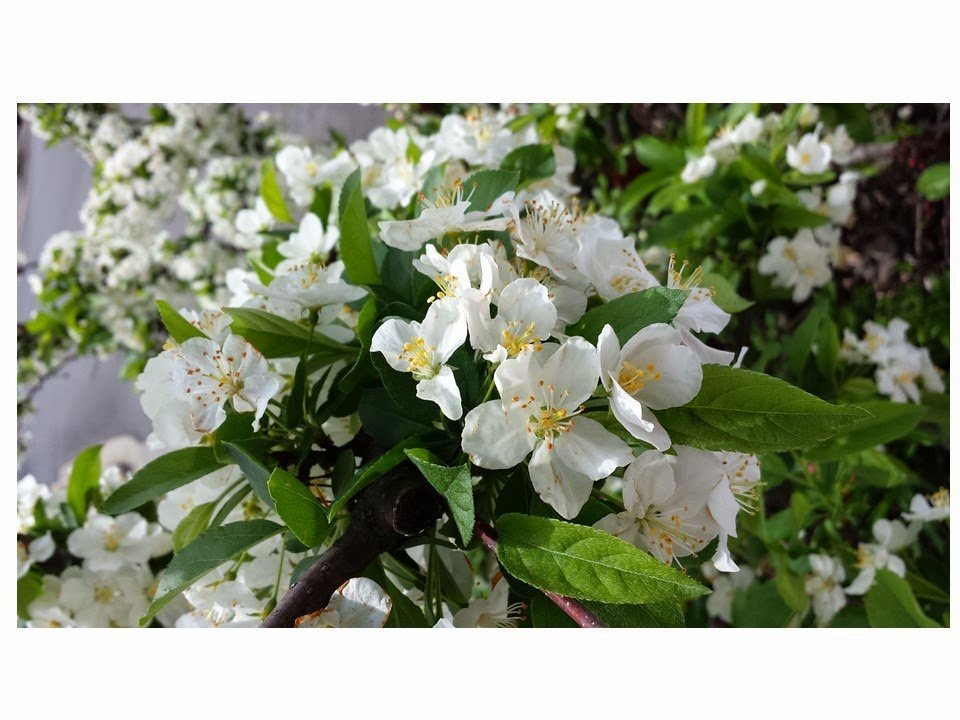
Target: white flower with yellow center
(210,375)
(37,550)
(737,489)
(106,543)
(250,223)
(542,394)
(525,318)
(547,234)
(447,214)
(937,507)
(311,285)
(358,603)
(310,244)
(422,349)
(899,377)
(810,155)
(456,272)
(652,371)
(800,263)
(105,599)
(823,587)
(664,499)
(889,537)
(609,260)
(304,171)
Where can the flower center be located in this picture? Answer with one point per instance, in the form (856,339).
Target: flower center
(632,378)
(419,357)
(941,498)
(111,542)
(311,169)
(103,594)
(515,340)
(675,277)
(670,532)
(448,284)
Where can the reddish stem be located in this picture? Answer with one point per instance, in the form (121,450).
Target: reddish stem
(576,611)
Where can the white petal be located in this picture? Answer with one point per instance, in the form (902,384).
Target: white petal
(724,508)
(680,376)
(722,559)
(648,481)
(608,350)
(573,371)
(591,449)
(361,603)
(495,438)
(444,328)
(390,338)
(442,389)
(560,487)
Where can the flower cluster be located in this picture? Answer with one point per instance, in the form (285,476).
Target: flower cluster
(901,365)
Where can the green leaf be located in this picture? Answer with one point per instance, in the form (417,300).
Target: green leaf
(29,588)
(797,344)
(760,606)
(677,227)
(253,470)
(587,564)
(298,508)
(787,217)
(789,586)
(934,182)
(657,154)
(725,295)
(887,421)
(271,193)
(277,337)
(356,246)
(631,313)
(486,186)
(639,189)
(384,421)
(84,482)
(196,521)
(179,328)
(371,472)
(531,163)
(453,483)
(695,119)
(544,613)
(294,407)
(828,348)
(166,473)
(875,468)
(796,178)
(745,411)
(891,604)
(206,553)
(321,204)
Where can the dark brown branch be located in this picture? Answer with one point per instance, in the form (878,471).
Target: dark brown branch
(392,510)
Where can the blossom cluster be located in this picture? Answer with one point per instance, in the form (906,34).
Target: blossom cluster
(901,365)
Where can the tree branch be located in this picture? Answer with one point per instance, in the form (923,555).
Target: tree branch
(392,510)
(575,610)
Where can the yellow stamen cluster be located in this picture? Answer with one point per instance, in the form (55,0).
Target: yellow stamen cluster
(675,277)
(515,341)
(111,543)
(745,491)
(419,358)
(941,498)
(448,285)
(633,379)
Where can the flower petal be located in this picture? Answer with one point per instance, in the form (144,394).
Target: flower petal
(442,389)
(495,438)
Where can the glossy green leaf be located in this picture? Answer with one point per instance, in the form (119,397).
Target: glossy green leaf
(179,328)
(272,194)
(891,604)
(84,482)
(631,313)
(166,473)
(256,473)
(544,613)
(298,508)
(530,162)
(745,411)
(356,245)
(206,553)
(453,483)
(277,337)
(587,564)
(486,186)
(195,522)
(887,421)
(657,154)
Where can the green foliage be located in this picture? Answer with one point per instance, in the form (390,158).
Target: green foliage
(934,182)
(371,472)
(255,472)
(631,313)
(84,482)
(745,411)
(356,245)
(486,186)
(207,552)
(891,603)
(531,163)
(887,421)
(166,473)
(586,564)
(298,508)
(180,329)
(195,522)
(453,483)
(272,194)
(277,337)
